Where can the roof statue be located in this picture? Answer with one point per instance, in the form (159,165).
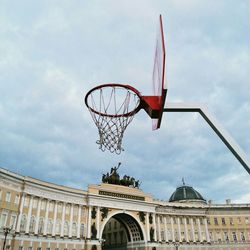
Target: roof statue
(113,177)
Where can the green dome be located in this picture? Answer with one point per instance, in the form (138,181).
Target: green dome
(186,194)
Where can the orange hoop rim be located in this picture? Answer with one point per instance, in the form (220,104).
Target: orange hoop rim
(114,85)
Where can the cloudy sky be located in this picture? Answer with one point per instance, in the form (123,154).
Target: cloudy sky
(53,52)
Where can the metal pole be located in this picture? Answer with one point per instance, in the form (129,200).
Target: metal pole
(6,231)
(215,125)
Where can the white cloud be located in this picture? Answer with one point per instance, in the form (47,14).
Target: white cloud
(53,53)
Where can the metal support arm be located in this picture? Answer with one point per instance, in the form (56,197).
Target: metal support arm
(215,125)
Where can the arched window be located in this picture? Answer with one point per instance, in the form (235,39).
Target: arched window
(82,231)
(49,227)
(74,229)
(40,226)
(23,223)
(66,228)
(32,224)
(58,227)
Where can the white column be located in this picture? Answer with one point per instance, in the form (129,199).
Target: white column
(79,221)
(192,229)
(38,215)
(71,219)
(199,229)
(158,228)
(206,229)
(147,227)
(63,219)
(166,228)
(29,215)
(98,223)
(172,229)
(179,229)
(20,214)
(186,230)
(54,219)
(89,223)
(154,225)
(46,218)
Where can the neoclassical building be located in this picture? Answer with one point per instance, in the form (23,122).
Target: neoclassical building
(115,214)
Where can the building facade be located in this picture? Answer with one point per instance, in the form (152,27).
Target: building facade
(113,215)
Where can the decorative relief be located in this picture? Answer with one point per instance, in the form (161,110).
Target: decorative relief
(104,212)
(142,217)
(93,231)
(150,218)
(152,231)
(124,196)
(93,213)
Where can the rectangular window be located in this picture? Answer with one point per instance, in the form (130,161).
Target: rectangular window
(43,205)
(226,236)
(239,220)
(215,221)
(20,248)
(59,207)
(26,201)
(187,221)
(234,236)
(161,221)
(13,221)
(16,199)
(75,210)
(35,202)
(246,220)
(208,221)
(67,209)
(51,206)
(174,220)
(30,248)
(7,197)
(231,221)
(181,221)
(242,236)
(162,235)
(3,219)
(223,221)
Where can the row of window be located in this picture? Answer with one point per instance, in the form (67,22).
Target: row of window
(7,197)
(181,220)
(228,237)
(58,226)
(38,248)
(230,221)
(35,201)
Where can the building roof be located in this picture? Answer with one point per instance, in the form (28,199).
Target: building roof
(186,193)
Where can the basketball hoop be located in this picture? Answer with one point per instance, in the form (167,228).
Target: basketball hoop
(112,107)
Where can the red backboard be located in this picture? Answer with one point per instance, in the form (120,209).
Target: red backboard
(159,86)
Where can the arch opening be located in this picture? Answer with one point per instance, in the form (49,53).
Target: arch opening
(120,231)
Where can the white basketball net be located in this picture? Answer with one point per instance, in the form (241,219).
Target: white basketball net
(112,109)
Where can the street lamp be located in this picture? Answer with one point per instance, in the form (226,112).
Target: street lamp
(6,231)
